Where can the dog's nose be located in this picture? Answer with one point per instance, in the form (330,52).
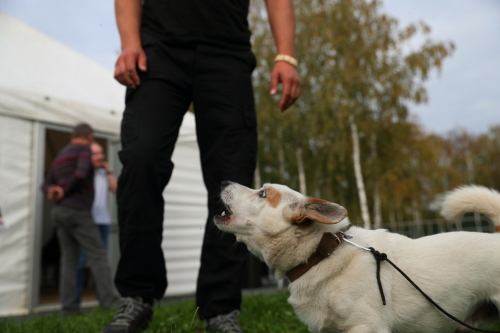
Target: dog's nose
(224,183)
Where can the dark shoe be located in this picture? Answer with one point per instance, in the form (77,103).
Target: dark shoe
(133,316)
(225,323)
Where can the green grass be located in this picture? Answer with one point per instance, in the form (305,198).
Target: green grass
(260,314)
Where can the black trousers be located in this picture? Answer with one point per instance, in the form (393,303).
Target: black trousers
(218,83)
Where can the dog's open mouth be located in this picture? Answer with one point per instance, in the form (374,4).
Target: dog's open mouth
(224,218)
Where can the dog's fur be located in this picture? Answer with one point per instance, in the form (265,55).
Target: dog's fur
(473,198)
(459,270)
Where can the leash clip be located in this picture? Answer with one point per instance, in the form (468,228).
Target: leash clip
(346,238)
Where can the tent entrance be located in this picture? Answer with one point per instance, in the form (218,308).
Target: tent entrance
(55,140)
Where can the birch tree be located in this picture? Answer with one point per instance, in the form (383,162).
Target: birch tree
(363,203)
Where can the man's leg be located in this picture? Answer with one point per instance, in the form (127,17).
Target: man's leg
(150,126)
(62,218)
(82,260)
(149,131)
(86,233)
(104,233)
(227,136)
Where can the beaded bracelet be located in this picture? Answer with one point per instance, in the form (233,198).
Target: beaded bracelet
(286,58)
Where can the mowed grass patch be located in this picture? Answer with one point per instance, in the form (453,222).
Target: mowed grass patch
(269,313)
(265,313)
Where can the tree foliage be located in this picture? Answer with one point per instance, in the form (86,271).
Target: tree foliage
(354,61)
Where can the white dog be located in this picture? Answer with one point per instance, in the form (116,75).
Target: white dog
(459,270)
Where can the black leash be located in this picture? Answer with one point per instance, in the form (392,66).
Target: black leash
(383,257)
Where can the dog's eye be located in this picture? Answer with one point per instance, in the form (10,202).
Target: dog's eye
(262,194)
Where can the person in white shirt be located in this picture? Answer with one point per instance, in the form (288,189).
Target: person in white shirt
(104,181)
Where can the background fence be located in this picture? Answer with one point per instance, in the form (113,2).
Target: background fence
(415,229)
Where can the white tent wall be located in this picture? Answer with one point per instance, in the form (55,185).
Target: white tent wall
(184,219)
(15,203)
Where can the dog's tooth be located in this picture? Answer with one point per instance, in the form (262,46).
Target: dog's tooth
(223,213)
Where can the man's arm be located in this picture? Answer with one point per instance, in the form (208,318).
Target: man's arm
(53,191)
(49,181)
(128,19)
(113,182)
(282,20)
(83,170)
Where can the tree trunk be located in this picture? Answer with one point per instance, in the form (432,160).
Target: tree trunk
(257,180)
(377,211)
(377,206)
(302,175)
(358,174)
(477,221)
(281,155)
(392,219)
(417,219)
(400,216)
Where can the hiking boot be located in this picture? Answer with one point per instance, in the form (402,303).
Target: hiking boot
(133,316)
(227,323)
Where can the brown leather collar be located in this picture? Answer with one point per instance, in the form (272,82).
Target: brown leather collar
(329,242)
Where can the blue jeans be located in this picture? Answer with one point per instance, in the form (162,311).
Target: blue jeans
(104,232)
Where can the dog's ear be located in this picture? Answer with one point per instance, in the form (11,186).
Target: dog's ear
(289,211)
(316,210)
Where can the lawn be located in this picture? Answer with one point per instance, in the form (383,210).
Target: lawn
(269,313)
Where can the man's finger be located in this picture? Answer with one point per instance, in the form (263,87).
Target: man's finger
(274,83)
(121,74)
(293,97)
(142,62)
(298,90)
(130,65)
(295,91)
(286,97)
(59,194)
(285,102)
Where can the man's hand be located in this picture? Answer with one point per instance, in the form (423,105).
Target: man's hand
(127,64)
(282,20)
(55,193)
(105,166)
(112,181)
(286,74)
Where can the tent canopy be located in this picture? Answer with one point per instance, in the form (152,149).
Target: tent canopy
(44,80)
(32,61)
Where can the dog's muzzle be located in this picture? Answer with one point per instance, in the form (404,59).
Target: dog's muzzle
(223,218)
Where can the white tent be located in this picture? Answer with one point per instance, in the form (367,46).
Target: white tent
(45,86)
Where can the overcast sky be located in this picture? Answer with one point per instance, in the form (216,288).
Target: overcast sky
(466,94)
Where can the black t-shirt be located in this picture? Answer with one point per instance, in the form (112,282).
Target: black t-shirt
(216,22)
